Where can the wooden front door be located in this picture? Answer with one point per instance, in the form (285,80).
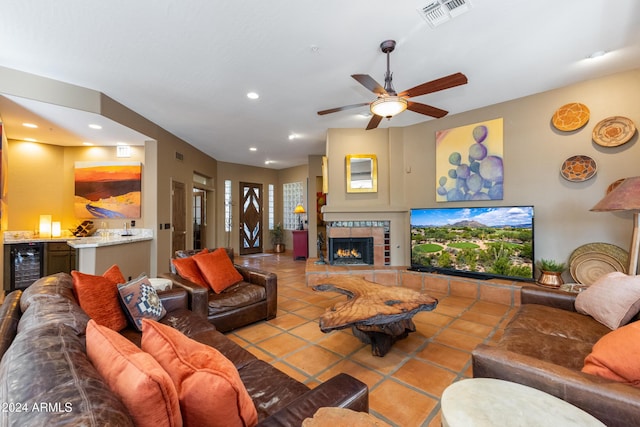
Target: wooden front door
(178,217)
(251,218)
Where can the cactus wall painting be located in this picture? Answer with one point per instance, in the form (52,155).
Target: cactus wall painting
(469,162)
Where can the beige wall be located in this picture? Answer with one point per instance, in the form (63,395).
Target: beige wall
(533,154)
(315,178)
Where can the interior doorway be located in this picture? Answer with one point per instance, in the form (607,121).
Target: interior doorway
(178,217)
(199,218)
(251,218)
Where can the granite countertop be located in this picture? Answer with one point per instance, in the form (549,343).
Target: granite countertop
(110,237)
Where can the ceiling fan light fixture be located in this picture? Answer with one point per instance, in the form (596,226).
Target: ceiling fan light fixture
(388,106)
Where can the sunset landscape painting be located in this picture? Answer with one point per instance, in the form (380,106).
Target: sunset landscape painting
(108,189)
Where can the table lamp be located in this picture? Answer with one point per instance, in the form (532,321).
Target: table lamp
(299,210)
(625,197)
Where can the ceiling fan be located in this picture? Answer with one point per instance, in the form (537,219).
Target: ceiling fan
(390,103)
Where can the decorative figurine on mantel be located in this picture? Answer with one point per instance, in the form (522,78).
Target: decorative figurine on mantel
(320,253)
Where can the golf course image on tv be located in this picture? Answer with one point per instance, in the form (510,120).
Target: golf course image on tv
(488,242)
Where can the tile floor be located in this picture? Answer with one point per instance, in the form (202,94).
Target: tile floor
(406,384)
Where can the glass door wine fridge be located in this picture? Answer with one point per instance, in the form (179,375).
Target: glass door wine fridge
(24,264)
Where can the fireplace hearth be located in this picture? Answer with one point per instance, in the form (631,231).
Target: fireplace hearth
(350,251)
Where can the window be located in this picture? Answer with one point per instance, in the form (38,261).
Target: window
(271,208)
(227,206)
(291,196)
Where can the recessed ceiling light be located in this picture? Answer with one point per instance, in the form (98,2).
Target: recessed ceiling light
(365,114)
(268,162)
(253,149)
(30,125)
(88,144)
(597,54)
(94,126)
(253,95)
(292,136)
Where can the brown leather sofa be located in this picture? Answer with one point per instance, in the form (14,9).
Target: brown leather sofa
(544,347)
(253,299)
(46,363)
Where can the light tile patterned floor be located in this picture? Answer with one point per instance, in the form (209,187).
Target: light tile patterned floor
(405,385)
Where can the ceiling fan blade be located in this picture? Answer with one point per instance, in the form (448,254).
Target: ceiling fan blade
(367,81)
(442,83)
(427,110)
(346,107)
(374,122)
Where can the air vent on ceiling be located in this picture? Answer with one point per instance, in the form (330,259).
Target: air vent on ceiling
(437,12)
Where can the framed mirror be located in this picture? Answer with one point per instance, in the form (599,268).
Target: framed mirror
(362,173)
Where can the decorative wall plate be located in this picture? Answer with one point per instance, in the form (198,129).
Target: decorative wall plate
(578,168)
(613,131)
(570,117)
(588,262)
(588,268)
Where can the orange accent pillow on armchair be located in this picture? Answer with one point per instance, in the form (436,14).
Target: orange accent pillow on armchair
(218,270)
(188,269)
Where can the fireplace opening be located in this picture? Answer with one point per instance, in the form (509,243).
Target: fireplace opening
(351,250)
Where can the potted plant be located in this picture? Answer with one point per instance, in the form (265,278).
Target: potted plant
(550,273)
(277,238)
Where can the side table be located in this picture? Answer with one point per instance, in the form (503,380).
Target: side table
(300,244)
(488,402)
(160,284)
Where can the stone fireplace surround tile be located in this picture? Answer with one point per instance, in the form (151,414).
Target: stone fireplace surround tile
(347,229)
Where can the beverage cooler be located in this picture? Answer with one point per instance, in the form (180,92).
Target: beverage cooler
(23,264)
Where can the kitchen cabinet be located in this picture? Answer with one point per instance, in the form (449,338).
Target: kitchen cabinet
(60,258)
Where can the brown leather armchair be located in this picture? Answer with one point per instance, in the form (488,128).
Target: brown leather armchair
(253,299)
(544,347)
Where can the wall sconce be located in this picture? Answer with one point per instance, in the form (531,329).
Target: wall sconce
(45,226)
(299,210)
(56,229)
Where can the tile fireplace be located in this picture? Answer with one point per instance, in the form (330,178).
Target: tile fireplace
(350,250)
(358,243)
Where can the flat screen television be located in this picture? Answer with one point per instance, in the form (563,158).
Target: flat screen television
(484,243)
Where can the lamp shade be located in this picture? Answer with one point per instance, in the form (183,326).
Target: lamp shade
(624,197)
(45,226)
(299,209)
(388,106)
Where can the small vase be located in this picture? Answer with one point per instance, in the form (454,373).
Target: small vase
(550,279)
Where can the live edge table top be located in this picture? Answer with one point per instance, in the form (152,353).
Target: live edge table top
(379,315)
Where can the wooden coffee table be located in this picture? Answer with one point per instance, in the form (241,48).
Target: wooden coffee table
(378,315)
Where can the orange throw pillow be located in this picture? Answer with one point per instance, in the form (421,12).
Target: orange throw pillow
(616,356)
(209,386)
(188,269)
(217,269)
(98,296)
(135,377)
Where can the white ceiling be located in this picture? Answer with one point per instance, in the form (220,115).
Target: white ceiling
(188,64)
